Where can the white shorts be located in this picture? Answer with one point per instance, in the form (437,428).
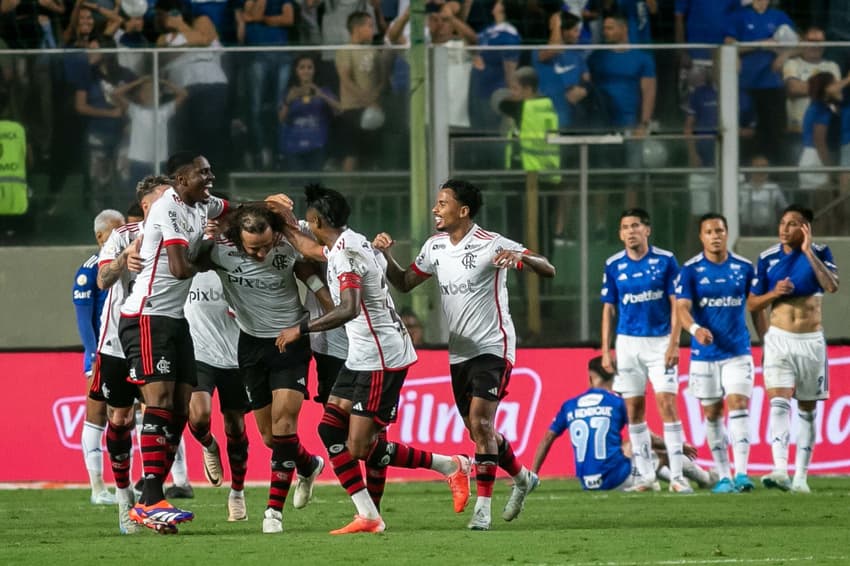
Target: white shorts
(796,361)
(639,357)
(713,380)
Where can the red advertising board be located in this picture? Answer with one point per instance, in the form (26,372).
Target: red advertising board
(43,409)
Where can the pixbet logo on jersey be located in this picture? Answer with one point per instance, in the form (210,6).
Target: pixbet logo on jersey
(456,289)
(427,414)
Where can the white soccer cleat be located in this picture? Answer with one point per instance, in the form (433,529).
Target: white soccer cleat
(800,486)
(642,485)
(518,494)
(212,464)
(681,486)
(272,521)
(776,480)
(480,520)
(236,509)
(303,492)
(104,497)
(126,500)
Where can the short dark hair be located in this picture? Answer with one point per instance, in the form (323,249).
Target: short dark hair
(355,19)
(135,209)
(595,365)
(712,216)
(803,211)
(179,160)
(527,77)
(639,213)
(254,218)
(466,194)
(330,204)
(148,184)
(619,16)
(569,20)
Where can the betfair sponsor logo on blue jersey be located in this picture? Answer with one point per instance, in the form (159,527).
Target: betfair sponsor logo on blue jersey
(642,297)
(721,302)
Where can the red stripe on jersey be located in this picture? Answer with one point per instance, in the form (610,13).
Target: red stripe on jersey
(104,262)
(225,206)
(419,271)
(175,242)
(349,280)
(376,386)
(499,312)
(146,345)
(95,378)
(365,312)
(503,381)
(483,235)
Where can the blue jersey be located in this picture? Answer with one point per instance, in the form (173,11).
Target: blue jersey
(556,77)
(705,21)
(775,265)
(484,82)
(641,291)
(637,14)
(718,294)
(88,302)
(258,33)
(618,74)
(749,25)
(595,420)
(818,113)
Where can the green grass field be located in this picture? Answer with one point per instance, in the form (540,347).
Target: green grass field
(560,525)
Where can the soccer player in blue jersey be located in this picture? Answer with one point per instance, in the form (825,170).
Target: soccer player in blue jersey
(638,288)
(88,303)
(711,295)
(595,420)
(791,278)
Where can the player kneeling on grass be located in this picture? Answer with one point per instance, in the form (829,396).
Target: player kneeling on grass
(595,420)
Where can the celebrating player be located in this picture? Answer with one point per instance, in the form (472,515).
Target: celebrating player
(471,267)
(638,288)
(88,305)
(364,399)
(791,278)
(711,303)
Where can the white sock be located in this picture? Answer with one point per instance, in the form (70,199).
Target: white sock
(780,431)
(805,444)
(179,473)
(365,506)
(237,492)
(90,441)
(483,504)
(443,464)
(716,436)
(642,450)
(674,440)
(125,495)
(739,430)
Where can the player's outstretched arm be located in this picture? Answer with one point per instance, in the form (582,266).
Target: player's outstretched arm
(402,279)
(348,309)
(309,274)
(178,261)
(543,450)
(528,259)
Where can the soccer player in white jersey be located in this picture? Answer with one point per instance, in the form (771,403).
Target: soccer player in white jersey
(88,305)
(215,335)
(791,278)
(638,288)
(112,369)
(470,265)
(154,333)
(257,267)
(364,399)
(711,297)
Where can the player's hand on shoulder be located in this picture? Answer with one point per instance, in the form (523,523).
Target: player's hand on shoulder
(383,242)
(134,258)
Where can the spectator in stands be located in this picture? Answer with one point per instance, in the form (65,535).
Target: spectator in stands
(637,14)
(334,27)
(222,13)
(563,74)
(760,201)
(305,117)
(361,82)
(130,35)
(796,72)
(104,117)
(267,23)
(82,27)
(760,70)
(587,11)
(201,124)
(26,24)
(148,147)
(492,70)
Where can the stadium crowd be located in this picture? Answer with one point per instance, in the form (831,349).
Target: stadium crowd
(338,109)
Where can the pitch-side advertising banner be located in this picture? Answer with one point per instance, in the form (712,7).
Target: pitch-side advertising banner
(43,409)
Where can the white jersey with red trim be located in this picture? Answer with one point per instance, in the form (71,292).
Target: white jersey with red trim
(333,342)
(212,322)
(171,222)
(264,294)
(473,292)
(377,338)
(120,238)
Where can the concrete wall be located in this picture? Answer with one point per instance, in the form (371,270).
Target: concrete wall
(35,292)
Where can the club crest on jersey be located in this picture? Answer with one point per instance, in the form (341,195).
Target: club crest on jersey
(163,366)
(468,261)
(279,262)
